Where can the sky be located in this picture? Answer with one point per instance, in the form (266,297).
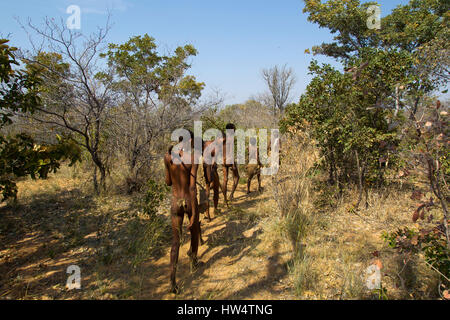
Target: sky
(235,39)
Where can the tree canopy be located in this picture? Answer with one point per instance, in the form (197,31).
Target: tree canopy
(20,155)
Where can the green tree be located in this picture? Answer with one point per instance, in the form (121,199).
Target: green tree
(19,155)
(356,115)
(390,74)
(351,131)
(74,100)
(155,95)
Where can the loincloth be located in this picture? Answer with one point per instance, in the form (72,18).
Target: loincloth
(253,169)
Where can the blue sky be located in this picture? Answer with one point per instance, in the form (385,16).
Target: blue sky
(235,39)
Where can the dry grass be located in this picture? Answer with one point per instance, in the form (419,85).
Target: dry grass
(293,241)
(332,245)
(59,222)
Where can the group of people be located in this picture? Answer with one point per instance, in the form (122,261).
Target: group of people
(182,177)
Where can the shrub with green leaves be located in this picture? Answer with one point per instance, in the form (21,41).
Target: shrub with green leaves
(351,132)
(428,146)
(20,156)
(431,242)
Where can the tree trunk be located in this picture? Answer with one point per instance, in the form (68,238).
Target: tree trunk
(332,168)
(94,178)
(436,188)
(361,182)
(101,167)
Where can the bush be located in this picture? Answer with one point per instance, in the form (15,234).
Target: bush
(148,238)
(154,195)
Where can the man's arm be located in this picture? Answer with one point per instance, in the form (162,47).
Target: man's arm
(193,194)
(166,166)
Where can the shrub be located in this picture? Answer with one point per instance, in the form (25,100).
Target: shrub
(154,195)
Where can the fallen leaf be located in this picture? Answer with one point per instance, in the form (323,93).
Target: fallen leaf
(422,214)
(446,295)
(378,263)
(416,195)
(415,216)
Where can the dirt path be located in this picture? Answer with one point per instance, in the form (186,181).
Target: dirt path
(235,262)
(57,224)
(51,230)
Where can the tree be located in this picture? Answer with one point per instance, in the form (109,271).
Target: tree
(391,73)
(74,99)
(19,155)
(154,96)
(359,113)
(280,82)
(351,131)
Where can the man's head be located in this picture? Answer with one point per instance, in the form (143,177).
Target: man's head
(186,140)
(190,135)
(253,141)
(230,126)
(195,142)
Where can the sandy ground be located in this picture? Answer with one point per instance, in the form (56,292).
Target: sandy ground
(44,235)
(235,263)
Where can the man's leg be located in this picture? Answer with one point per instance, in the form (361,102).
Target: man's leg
(216,186)
(235,180)
(208,175)
(225,182)
(249,180)
(177,214)
(258,175)
(195,236)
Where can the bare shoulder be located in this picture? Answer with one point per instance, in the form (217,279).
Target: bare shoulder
(168,157)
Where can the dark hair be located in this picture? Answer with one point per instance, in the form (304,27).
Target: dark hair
(230,126)
(191,134)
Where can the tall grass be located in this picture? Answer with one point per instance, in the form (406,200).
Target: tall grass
(333,245)
(292,190)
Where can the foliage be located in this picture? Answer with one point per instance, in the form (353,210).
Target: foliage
(18,89)
(366,118)
(19,155)
(345,120)
(430,241)
(154,95)
(427,140)
(140,71)
(154,195)
(347,19)
(356,116)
